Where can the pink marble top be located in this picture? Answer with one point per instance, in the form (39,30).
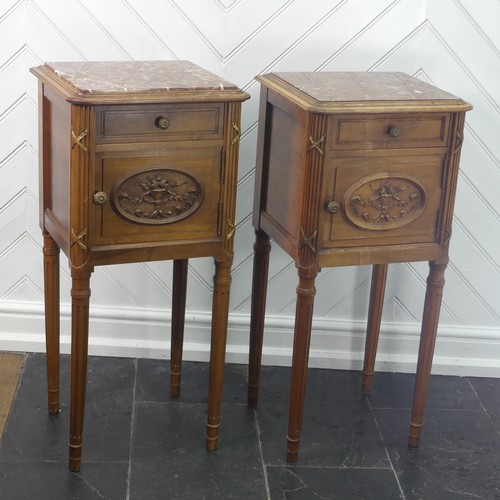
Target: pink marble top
(129,77)
(363,86)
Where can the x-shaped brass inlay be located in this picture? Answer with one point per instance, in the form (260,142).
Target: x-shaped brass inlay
(458,144)
(316,144)
(236,138)
(308,241)
(78,239)
(77,140)
(232,227)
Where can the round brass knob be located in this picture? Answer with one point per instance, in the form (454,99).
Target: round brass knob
(394,131)
(100,198)
(332,207)
(162,122)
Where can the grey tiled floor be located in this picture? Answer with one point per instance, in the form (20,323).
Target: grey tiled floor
(141,444)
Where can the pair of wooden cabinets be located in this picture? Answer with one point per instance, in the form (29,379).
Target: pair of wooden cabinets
(139,163)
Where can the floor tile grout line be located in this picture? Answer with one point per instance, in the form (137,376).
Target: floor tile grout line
(478,398)
(403,497)
(62,461)
(328,467)
(371,408)
(367,398)
(264,467)
(490,418)
(182,402)
(132,425)
(429,408)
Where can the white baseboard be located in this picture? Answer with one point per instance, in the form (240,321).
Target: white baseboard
(335,344)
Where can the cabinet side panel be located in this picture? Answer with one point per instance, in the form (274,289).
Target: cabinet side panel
(57,150)
(286,173)
(451,177)
(43,154)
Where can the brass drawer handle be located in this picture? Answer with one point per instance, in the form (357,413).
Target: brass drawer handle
(332,207)
(100,198)
(394,131)
(162,122)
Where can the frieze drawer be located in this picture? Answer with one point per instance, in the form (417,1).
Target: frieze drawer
(389,131)
(174,122)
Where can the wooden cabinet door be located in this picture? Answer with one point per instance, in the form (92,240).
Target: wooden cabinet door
(156,195)
(382,201)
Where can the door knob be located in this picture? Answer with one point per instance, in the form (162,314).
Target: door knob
(100,198)
(332,207)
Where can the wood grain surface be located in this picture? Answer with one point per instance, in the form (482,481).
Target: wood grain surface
(10,371)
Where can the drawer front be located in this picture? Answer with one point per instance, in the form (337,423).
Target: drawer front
(383,201)
(389,131)
(169,122)
(173,196)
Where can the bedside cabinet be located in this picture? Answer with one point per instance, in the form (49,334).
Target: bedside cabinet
(353,169)
(138,162)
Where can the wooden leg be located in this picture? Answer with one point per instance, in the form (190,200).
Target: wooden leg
(80,294)
(220,307)
(432,306)
(379,277)
(178,314)
(51,285)
(302,337)
(262,248)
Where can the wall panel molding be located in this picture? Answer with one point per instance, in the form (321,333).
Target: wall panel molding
(116,331)
(454,44)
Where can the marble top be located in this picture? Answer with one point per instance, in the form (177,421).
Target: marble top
(134,77)
(363,86)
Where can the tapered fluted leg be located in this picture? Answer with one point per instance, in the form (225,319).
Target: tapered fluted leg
(179,289)
(262,248)
(220,306)
(80,294)
(51,285)
(432,306)
(379,277)
(302,337)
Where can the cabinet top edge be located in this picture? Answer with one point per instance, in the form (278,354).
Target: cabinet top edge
(329,92)
(103,82)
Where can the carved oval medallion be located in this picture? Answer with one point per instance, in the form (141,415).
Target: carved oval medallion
(384,201)
(156,196)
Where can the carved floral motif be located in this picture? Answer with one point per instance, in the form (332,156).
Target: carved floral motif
(157,196)
(384,201)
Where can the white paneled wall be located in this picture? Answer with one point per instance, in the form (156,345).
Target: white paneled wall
(454,44)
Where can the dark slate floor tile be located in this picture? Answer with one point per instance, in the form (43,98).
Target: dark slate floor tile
(32,434)
(306,483)
(457,457)
(108,416)
(342,453)
(169,459)
(153,382)
(338,428)
(395,390)
(51,480)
